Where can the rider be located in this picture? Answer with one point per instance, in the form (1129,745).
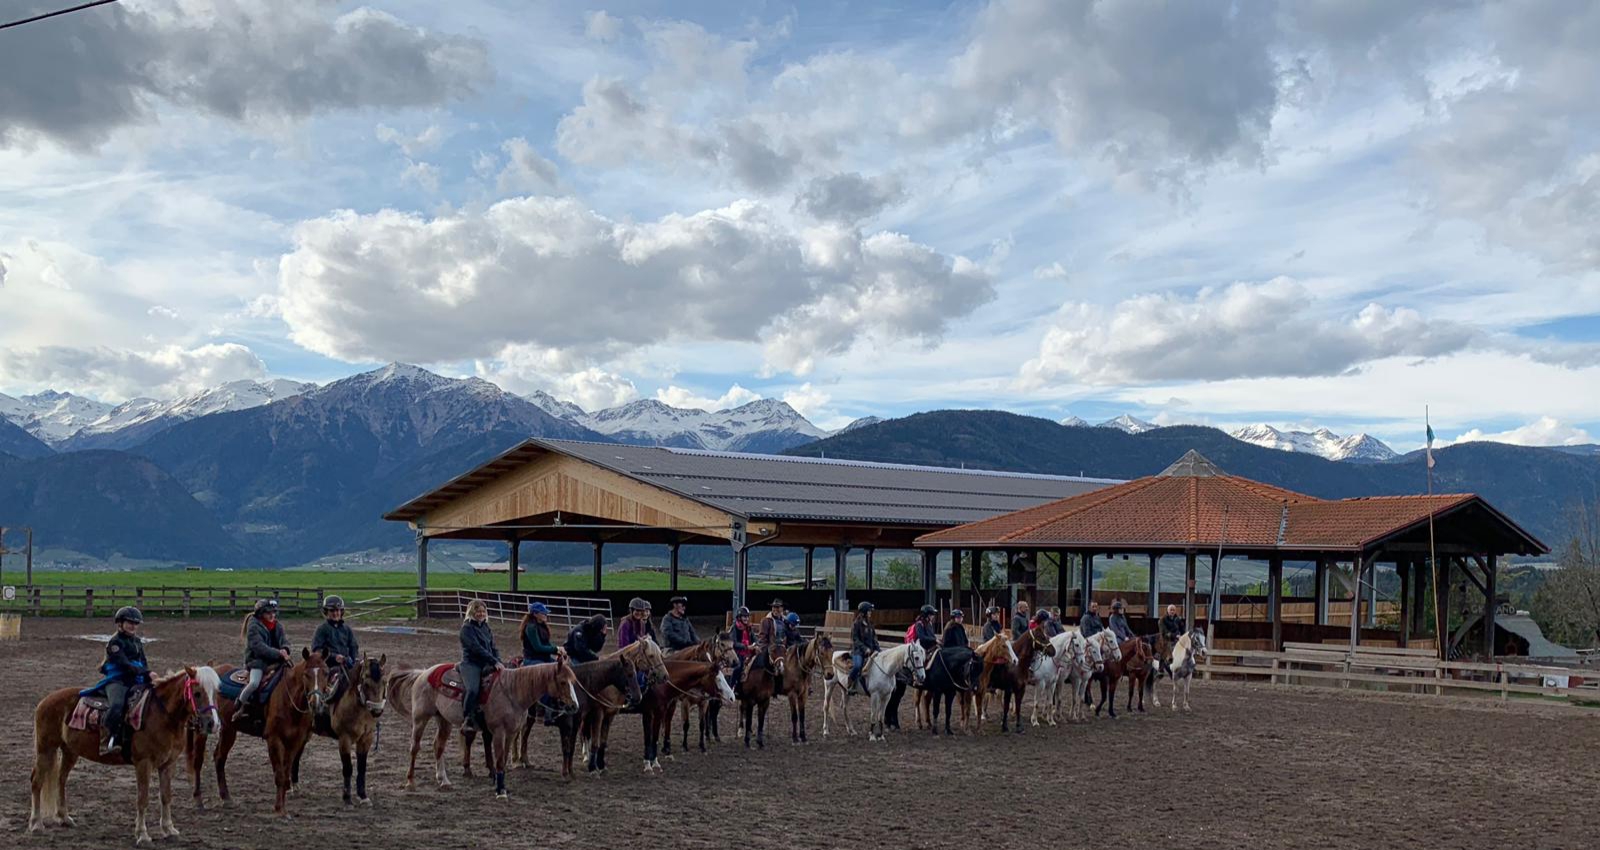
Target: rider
(124,667)
(1052,623)
(773,628)
(266,646)
(955,633)
(1089,624)
(478,658)
(1172,628)
(992,627)
(743,638)
(863,643)
(791,630)
(922,629)
(1019,619)
(676,629)
(636,626)
(585,642)
(1119,622)
(337,641)
(537,648)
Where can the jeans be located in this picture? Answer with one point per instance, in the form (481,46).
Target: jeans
(471,683)
(251,687)
(117,705)
(859,660)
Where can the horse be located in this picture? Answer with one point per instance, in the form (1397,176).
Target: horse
(352,720)
(755,691)
(795,680)
(603,686)
(1051,671)
(952,672)
(1189,649)
(1012,679)
(718,649)
(505,700)
(1086,659)
(300,694)
(878,680)
(994,651)
(1118,663)
(1137,669)
(174,705)
(691,680)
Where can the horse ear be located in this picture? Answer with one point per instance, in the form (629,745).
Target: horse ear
(305,654)
(383,659)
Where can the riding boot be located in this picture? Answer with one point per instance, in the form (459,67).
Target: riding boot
(108,742)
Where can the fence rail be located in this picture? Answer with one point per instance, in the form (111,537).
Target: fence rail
(565,611)
(97,601)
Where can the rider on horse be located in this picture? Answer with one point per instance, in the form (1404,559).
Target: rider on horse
(955,632)
(337,641)
(124,667)
(1019,619)
(537,647)
(742,636)
(586,640)
(1089,624)
(1172,628)
(676,629)
(266,646)
(992,627)
(791,630)
(922,628)
(479,658)
(1119,622)
(636,626)
(863,643)
(773,628)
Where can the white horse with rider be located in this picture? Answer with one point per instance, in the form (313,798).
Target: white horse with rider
(878,680)
(1186,653)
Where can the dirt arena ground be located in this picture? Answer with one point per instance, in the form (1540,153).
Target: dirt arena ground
(1252,767)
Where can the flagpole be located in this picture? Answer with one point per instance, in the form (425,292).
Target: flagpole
(1440,623)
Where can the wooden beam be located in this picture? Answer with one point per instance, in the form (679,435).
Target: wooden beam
(1402,571)
(1061,580)
(1320,592)
(741,577)
(1188,590)
(811,566)
(1357,569)
(514,562)
(672,566)
(930,577)
(1214,601)
(841,597)
(870,551)
(1275,601)
(599,559)
(1490,608)
(1153,587)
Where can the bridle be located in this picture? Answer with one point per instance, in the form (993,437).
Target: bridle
(197,712)
(316,697)
(363,681)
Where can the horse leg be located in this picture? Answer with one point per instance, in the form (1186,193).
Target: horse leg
(281,761)
(827,705)
(294,775)
(419,725)
(761,725)
(501,747)
(164,773)
(141,835)
(346,766)
(361,774)
(569,742)
(1022,693)
(220,762)
(522,740)
(806,693)
(747,711)
(441,739)
(468,736)
(794,721)
(194,756)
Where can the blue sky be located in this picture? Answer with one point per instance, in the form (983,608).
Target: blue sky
(1308,213)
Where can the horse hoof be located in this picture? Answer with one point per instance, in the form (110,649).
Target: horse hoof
(67,821)
(501,795)
(170,832)
(364,801)
(143,841)
(445,786)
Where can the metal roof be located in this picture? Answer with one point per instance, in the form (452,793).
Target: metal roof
(781,487)
(1539,646)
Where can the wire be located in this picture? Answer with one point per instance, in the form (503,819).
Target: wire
(41,17)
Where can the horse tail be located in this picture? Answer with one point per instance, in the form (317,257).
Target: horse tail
(47,759)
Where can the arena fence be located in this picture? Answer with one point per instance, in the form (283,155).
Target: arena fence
(565,611)
(98,601)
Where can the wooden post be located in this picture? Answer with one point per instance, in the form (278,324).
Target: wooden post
(1356,569)
(870,551)
(955,578)
(1214,602)
(186,602)
(599,560)
(1188,590)
(88,603)
(1489,607)
(672,568)
(514,562)
(841,596)
(1275,601)
(1402,571)
(930,577)
(1372,595)
(1441,608)
(811,564)
(741,577)
(28,563)
(1088,579)
(1153,588)
(422,575)
(1061,581)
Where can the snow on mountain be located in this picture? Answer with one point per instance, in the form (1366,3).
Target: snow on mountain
(1321,442)
(52,416)
(555,406)
(860,423)
(1129,424)
(234,395)
(764,425)
(1075,422)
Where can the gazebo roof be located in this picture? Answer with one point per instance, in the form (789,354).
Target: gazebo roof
(1193,504)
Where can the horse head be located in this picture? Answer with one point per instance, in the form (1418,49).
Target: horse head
(1197,645)
(564,682)
(649,657)
(371,683)
(200,697)
(1093,654)
(724,689)
(309,677)
(725,656)
(1041,642)
(1110,646)
(818,651)
(917,660)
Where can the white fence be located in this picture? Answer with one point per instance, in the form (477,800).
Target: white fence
(565,611)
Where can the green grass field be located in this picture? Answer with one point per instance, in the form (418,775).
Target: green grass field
(333,580)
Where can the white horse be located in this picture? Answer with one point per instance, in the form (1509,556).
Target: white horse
(878,680)
(1087,660)
(1104,643)
(1049,671)
(1188,651)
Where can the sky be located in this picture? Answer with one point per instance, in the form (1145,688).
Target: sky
(1313,213)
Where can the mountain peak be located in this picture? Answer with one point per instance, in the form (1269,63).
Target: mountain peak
(1074,422)
(1129,423)
(1320,441)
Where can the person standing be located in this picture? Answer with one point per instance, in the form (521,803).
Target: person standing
(479,658)
(676,630)
(992,626)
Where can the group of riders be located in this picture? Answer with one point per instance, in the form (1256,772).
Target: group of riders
(267,644)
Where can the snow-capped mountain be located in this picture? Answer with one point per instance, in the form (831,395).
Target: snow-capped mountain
(860,423)
(555,406)
(1075,422)
(52,416)
(764,425)
(1321,442)
(1130,424)
(72,422)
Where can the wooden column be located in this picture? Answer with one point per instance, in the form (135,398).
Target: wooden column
(1402,571)
(930,577)
(422,575)
(811,565)
(1153,588)
(1441,607)
(1061,581)
(955,578)
(1419,605)
(870,551)
(841,597)
(672,565)
(514,563)
(1489,607)
(1372,595)
(1214,602)
(599,558)
(1320,592)
(1188,590)
(1088,579)
(741,577)
(1357,567)
(977,574)
(1275,601)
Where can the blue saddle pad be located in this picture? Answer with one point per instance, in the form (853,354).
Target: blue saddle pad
(233,684)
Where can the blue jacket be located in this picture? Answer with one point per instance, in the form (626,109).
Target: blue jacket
(125,663)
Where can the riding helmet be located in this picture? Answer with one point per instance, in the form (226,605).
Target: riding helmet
(1116,605)
(742,612)
(333,603)
(538,608)
(679,600)
(956,612)
(266,606)
(865,607)
(129,614)
(792,619)
(638,604)
(928,611)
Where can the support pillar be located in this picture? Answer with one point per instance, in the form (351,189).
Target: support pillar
(1489,607)
(1356,569)
(955,578)
(1419,605)
(28,563)
(1214,602)
(1320,592)
(841,596)
(1372,596)
(1153,588)
(977,574)
(672,566)
(930,577)
(870,551)
(1275,601)
(741,577)
(1188,590)
(1088,580)
(1441,607)
(514,563)
(422,575)
(1061,582)
(1402,571)
(811,565)
(599,558)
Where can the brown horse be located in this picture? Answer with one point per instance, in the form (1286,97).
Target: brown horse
(794,680)
(352,720)
(714,649)
(1132,659)
(756,690)
(176,704)
(504,703)
(1010,677)
(299,696)
(686,681)
(604,688)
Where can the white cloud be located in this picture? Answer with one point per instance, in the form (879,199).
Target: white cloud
(1054,271)
(675,396)
(548,272)
(424,142)
(601,25)
(425,175)
(521,369)
(1544,431)
(526,170)
(118,374)
(849,198)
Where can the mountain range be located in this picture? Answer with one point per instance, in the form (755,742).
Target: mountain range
(1320,442)
(265,475)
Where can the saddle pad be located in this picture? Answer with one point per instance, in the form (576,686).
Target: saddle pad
(87,713)
(447,680)
(233,684)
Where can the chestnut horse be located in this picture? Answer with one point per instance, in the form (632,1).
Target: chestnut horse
(794,679)
(686,680)
(715,649)
(352,720)
(994,652)
(298,697)
(176,704)
(1130,658)
(1012,679)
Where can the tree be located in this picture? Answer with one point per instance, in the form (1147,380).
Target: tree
(1567,605)
(901,574)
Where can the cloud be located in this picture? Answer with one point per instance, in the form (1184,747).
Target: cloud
(550,273)
(232,59)
(1544,431)
(118,374)
(424,174)
(849,198)
(526,170)
(601,25)
(679,397)
(425,142)
(808,400)
(521,368)
(1246,330)
(1054,271)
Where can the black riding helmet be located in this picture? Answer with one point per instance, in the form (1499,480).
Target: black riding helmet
(679,600)
(742,612)
(638,604)
(928,611)
(129,614)
(333,603)
(266,606)
(866,607)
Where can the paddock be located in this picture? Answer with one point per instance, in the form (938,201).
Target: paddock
(1259,766)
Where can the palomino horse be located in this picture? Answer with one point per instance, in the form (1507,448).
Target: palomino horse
(686,680)
(718,649)
(878,680)
(504,705)
(298,697)
(1189,650)
(352,720)
(755,690)
(176,704)
(1012,679)
(795,680)
(952,672)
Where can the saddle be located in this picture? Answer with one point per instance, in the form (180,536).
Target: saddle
(87,713)
(446,679)
(233,684)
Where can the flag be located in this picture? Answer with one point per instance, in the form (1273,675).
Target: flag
(1430,444)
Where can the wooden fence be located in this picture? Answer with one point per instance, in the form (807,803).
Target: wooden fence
(100,601)
(565,611)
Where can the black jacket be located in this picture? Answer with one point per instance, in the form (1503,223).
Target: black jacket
(955,634)
(863,637)
(1119,627)
(262,644)
(1172,626)
(477,644)
(991,628)
(925,635)
(337,639)
(125,661)
(1089,624)
(678,632)
(584,643)
(1053,628)
(536,644)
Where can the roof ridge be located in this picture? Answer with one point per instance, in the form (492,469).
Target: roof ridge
(1269,491)
(1402,496)
(1194,510)
(1109,494)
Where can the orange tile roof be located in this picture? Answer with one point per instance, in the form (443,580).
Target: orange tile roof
(1357,522)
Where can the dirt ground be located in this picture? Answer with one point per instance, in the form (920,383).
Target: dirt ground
(1252,767)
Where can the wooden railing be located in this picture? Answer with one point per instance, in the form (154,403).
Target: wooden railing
(565,611)
(100,601)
